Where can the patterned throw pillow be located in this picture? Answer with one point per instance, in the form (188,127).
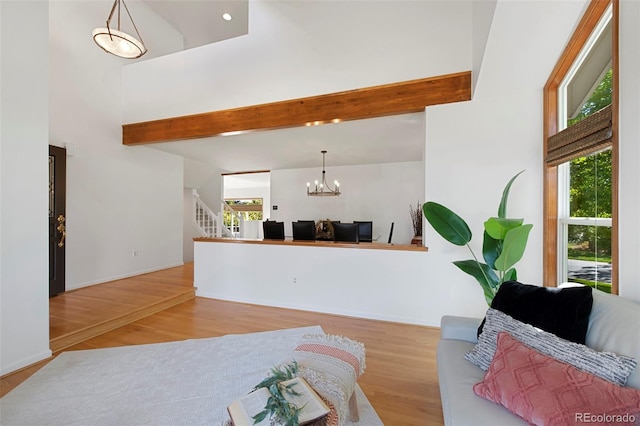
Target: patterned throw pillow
(331,365)
(607,365)
(545,391)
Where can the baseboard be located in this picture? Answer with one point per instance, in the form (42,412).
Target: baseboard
(25,363)
(123,276)
(319,309)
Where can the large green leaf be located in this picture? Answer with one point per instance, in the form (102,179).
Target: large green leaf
(446,223)
(491,249)
(502,208)
(513,247)
(485,276)
(498,227)
(510,275)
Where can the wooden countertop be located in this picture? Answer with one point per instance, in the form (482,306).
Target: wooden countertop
(366,246)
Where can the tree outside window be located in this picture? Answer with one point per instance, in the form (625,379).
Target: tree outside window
(588,246)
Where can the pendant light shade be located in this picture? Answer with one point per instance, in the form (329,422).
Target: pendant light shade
(118,42)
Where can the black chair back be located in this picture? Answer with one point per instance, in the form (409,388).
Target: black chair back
(304,230)
(365,231)
(390,233)
(273,230)
(345,232)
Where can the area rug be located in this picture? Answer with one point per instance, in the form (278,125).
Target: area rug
(189,382)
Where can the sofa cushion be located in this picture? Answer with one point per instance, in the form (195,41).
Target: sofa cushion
(456,377)
(545,391)
(614,325)
(563,312)
(459,328)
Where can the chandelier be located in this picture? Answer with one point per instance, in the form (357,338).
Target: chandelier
(118,42)
(322,189)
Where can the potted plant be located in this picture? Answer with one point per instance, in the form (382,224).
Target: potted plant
(503,244)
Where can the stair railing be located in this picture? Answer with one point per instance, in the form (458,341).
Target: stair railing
(204,219)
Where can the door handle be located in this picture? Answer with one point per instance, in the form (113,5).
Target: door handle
(62,230)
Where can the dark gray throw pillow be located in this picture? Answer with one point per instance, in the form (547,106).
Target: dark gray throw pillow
(563,312)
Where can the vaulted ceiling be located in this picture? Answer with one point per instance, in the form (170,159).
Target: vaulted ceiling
(201,22)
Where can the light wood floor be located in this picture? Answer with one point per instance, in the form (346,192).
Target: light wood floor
(78,315)
(400,380)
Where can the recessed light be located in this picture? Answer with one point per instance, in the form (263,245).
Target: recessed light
(233,133)
(227,16)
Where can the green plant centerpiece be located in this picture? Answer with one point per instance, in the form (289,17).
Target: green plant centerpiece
(278,407)
(504,242)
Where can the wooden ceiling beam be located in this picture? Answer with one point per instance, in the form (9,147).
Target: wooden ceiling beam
(376,101)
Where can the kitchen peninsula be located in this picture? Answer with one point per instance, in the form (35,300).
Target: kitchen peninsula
(367,280)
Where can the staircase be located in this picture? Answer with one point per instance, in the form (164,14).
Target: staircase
(212,225)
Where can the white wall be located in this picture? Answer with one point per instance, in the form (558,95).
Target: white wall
(381,193)
(481,24)
(24,116)
(197,173)
(629,137)
(211,191)
(59,88)
(189,230)
(467,166)
(119,199)
(378,284)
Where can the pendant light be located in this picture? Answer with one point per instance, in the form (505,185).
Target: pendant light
(118,42)
(322,188)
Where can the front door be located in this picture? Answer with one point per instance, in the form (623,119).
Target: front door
(57,218)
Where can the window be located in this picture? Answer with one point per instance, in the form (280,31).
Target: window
(584,216)
(580,156)
(245,209)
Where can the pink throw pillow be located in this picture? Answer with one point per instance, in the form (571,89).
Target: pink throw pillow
(545,391)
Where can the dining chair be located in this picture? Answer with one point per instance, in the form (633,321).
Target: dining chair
(273,230)
(345,232)
(365,231)
(304,230)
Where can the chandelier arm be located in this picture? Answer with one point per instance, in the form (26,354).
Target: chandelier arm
(113,8)
(109,31)
(131,19)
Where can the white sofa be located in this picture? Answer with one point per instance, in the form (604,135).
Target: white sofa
(614,326)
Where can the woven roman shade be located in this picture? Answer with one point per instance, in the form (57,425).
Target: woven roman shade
(583,138)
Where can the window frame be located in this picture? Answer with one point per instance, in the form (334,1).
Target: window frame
(592,16)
